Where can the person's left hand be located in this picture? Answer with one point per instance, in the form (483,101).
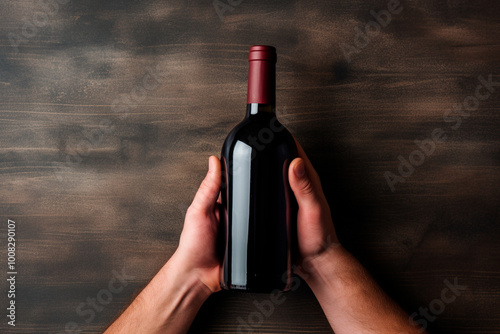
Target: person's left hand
(197,251)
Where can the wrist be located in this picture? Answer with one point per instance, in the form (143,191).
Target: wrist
(168,303)
(189,278)
(328,267)
(173,297)
(351,299)
(206,272)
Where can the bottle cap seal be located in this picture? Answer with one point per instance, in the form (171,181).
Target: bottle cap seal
(262,52)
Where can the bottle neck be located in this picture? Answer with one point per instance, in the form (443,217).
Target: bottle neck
(261,96)
(257,109)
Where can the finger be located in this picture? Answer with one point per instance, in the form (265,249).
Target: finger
(310,171)
(307,193)
(219,199)
(217,212)
(207,194)
(301,151)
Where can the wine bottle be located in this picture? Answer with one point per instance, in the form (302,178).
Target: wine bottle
(259,211)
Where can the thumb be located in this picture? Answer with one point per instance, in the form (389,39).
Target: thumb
(208,192)
(307,192)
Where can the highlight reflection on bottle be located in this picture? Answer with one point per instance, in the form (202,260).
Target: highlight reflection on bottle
(259,210)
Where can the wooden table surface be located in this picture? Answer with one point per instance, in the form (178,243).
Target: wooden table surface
(109,111)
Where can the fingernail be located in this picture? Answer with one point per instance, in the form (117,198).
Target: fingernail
(300,170)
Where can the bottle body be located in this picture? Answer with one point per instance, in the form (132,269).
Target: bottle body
(259,211)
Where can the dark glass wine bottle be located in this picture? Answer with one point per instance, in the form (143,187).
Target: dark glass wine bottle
(259,211)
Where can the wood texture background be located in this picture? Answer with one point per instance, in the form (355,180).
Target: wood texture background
(121,207)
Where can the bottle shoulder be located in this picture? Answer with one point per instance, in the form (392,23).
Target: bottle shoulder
(262,133)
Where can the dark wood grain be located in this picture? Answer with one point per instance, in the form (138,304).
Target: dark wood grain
(122,206)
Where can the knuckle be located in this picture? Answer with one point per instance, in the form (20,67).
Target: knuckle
(307,188)
(190,211)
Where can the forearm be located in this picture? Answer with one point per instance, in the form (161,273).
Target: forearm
(168,304)
(351,299)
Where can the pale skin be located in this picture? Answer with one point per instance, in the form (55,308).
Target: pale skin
(351,300)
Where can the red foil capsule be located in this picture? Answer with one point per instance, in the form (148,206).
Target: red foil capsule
(262,75)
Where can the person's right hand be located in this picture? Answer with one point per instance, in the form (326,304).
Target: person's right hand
(315,231)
